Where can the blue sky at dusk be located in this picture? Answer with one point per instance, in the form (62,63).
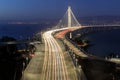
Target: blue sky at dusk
(45,9)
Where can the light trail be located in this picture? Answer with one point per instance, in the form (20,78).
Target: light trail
(54,67)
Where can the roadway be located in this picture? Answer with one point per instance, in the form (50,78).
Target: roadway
(50,63)
(34,68)
(54,67)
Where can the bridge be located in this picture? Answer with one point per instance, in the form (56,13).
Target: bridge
(61,60)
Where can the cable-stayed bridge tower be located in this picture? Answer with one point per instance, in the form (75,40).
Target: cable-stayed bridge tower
(68,20)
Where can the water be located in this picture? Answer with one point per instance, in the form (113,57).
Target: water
(104,43)
(19,31)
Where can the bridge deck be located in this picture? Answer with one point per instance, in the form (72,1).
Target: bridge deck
(52,64)
(34,68)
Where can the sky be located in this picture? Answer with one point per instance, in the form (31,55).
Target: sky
(54,9)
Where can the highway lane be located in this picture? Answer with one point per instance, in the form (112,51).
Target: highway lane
(34,68)
(54,67)
(50,64)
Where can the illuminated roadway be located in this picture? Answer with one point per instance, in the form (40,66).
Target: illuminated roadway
(54,67)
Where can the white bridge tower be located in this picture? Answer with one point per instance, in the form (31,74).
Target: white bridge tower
(68,20)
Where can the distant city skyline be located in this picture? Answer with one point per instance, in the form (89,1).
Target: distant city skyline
(54,9)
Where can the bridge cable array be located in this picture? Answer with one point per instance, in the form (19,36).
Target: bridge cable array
(68,20)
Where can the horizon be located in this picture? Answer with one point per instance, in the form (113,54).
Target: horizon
(36,10)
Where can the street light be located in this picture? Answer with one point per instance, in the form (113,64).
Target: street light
(76,62)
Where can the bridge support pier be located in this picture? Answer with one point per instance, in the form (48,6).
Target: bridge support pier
(70,35)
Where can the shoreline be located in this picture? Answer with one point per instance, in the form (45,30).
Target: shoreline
(85,44)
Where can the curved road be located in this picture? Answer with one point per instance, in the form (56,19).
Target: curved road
(54,67)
